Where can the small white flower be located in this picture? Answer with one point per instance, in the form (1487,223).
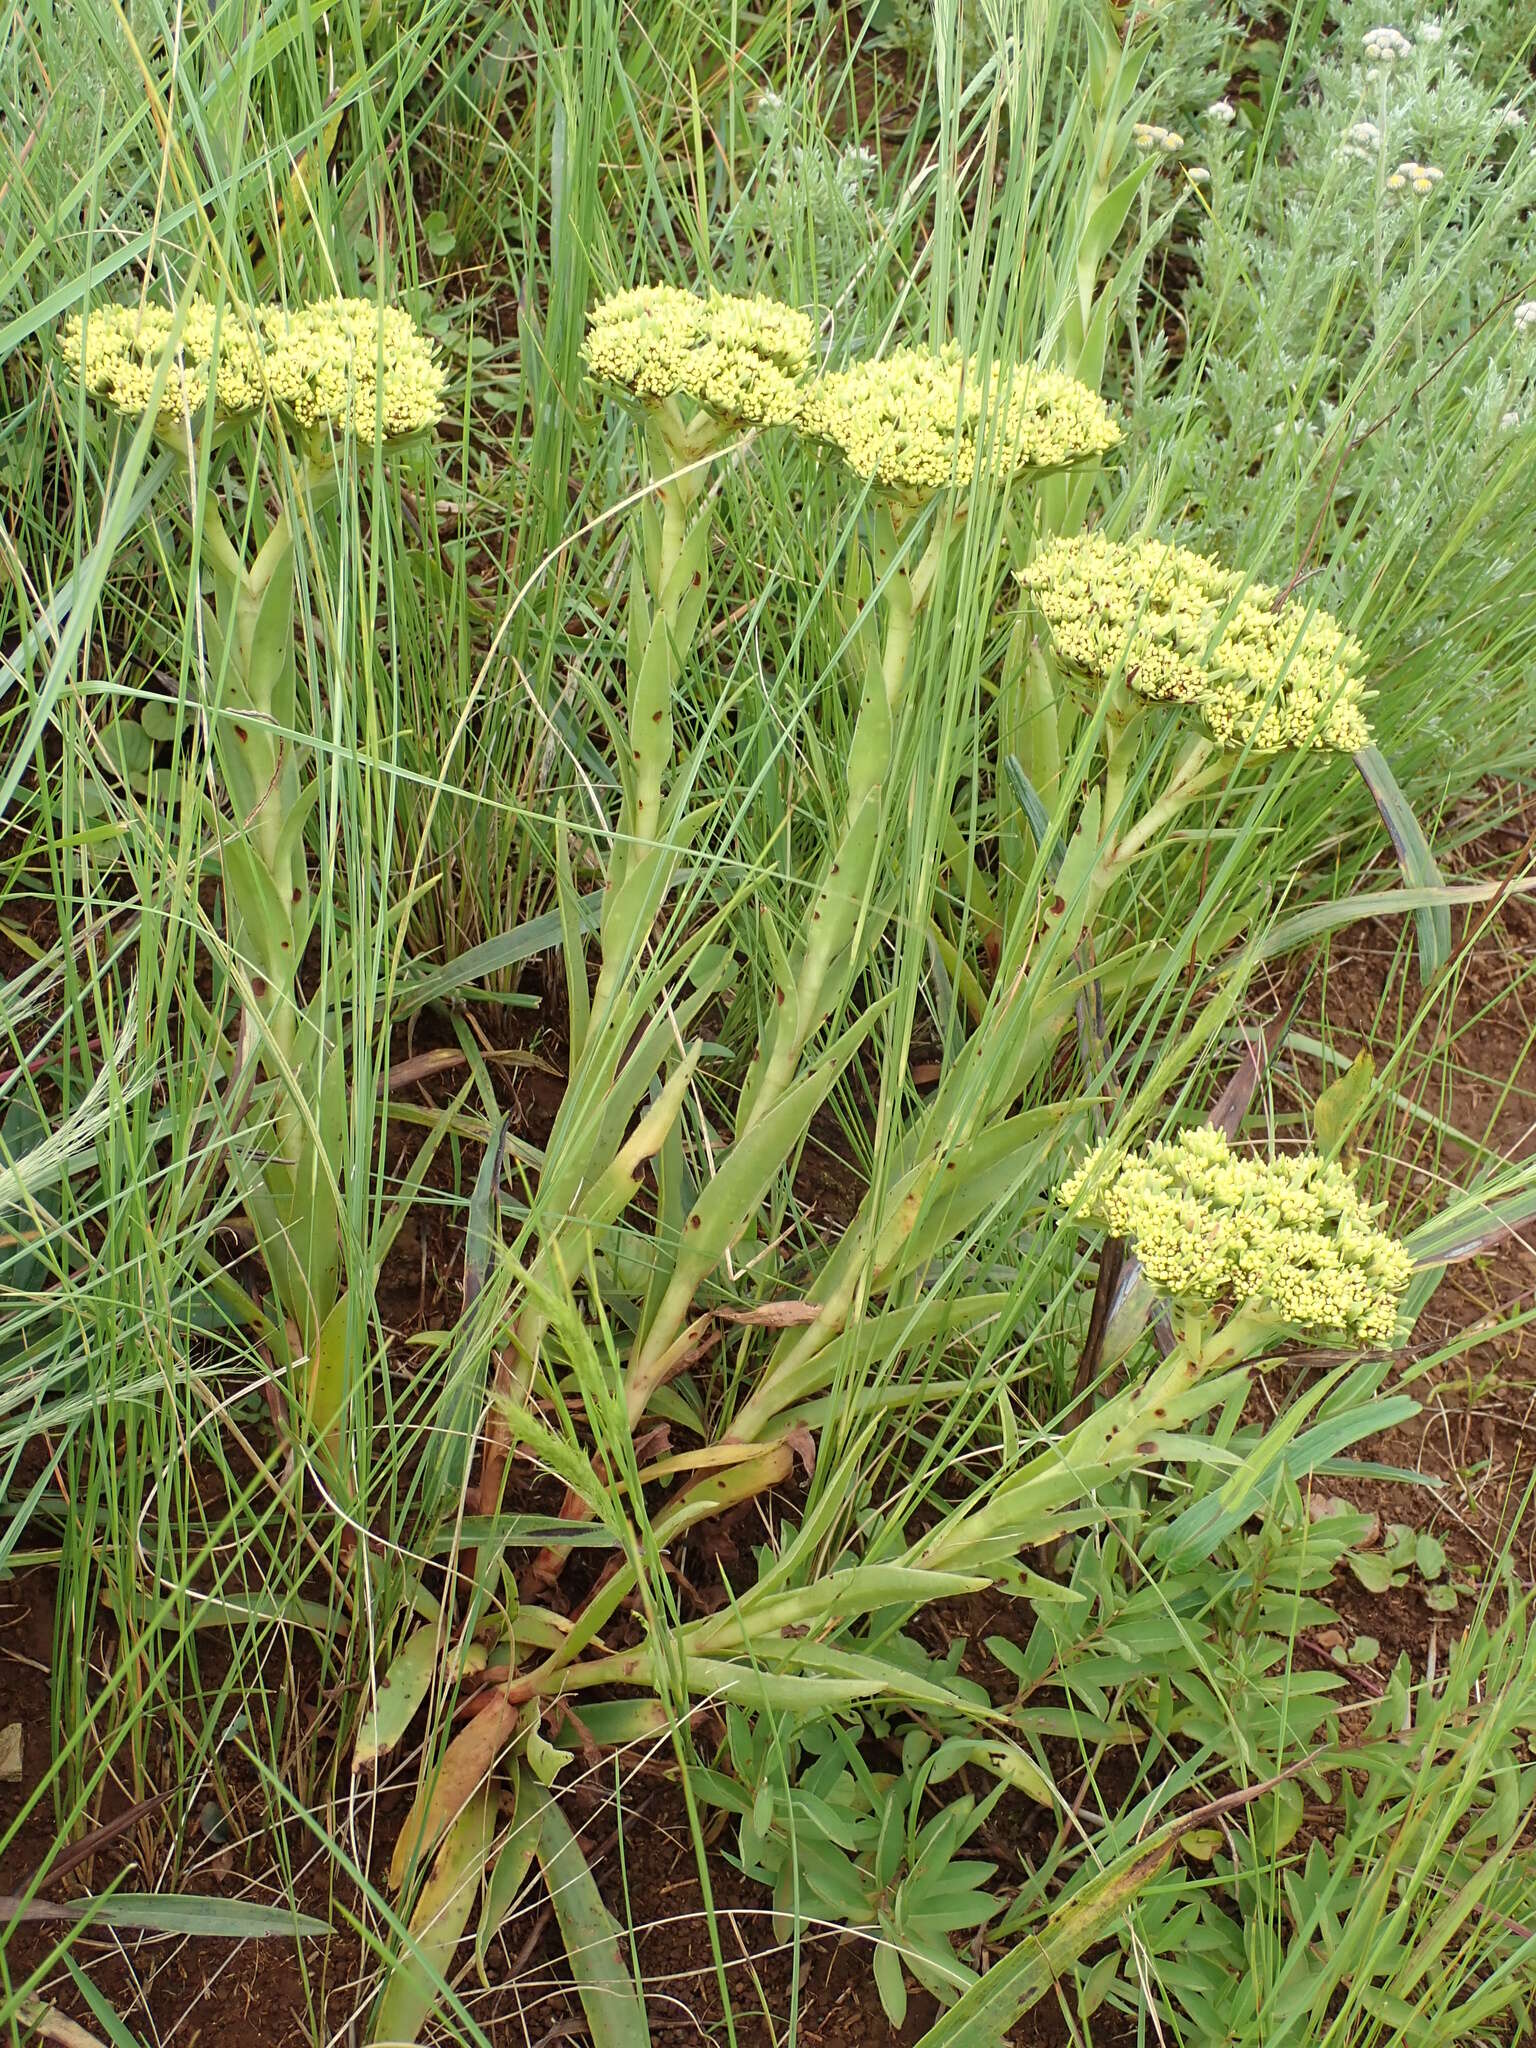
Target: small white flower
(1386,45)
(1222,111)
(857,167)
(1525,316)
(770,103)
(1431,31)
(1199,175)
(1508,117)
(1148,135)
(1508,420)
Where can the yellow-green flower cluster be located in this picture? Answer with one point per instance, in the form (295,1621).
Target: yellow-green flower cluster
(741,358)
(353,366)
(917,422)
(117,353)
(343,363)
(1291,1236)
(1185,630)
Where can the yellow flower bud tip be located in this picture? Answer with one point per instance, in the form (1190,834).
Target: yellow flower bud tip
(740,358)
(353,366)
(117,353)
(1184,630)
(1290,1236)
(916,422)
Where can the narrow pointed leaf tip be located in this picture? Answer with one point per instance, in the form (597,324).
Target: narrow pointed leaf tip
(1186,630)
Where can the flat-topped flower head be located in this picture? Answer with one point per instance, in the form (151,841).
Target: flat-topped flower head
(740,358)
(117,353)
(1291,1237)
(354,367)
(915,422)
(1184,630)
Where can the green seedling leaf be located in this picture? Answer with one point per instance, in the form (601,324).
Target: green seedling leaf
(890,1983)
(1371,1569)
(594,1942)
(1277,1819)
(467,1763)
(1429,1556)
(1203,1844)
(1034,810)
(1440,1599)
(483,1230)
(401,1691)
(415,1979)
(1108,217)
(1364,1650)
(1341,1105)
(269,665)
(577,996)
(326,1387)
(1432,920)
(1470,1227)
(495,956)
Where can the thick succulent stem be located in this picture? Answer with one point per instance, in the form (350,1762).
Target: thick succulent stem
(266,881)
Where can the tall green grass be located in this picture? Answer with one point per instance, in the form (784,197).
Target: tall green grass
(496,173)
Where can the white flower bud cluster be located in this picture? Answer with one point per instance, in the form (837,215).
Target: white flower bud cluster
(1362,139)
(1386,46)
(353,366)
(918,422)
(1525,316)
(1291,1237)
(117,353)
(1221,111)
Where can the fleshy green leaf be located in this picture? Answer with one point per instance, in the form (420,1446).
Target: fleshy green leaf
(594,1942)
